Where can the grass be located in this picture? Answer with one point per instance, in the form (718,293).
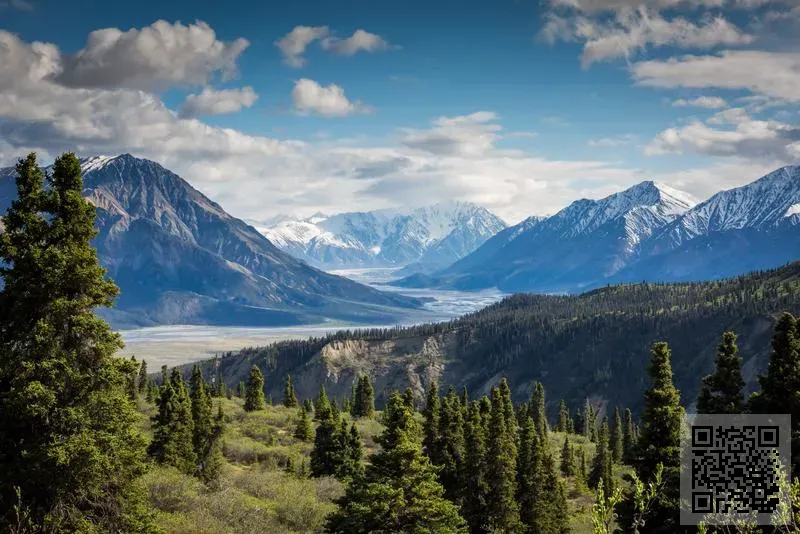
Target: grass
(257,494)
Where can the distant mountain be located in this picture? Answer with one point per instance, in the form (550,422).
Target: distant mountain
(594,345)
(178,257)
(586,241)
(419,239)
(753,227)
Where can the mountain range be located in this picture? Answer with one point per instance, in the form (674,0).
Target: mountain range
(649,232)
(419,240)
(179,258)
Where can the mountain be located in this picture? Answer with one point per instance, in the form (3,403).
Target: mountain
(593,345)
(178,257)
(756,226)
(587,240)
(419,239)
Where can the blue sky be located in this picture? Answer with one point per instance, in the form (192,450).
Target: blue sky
(521,106)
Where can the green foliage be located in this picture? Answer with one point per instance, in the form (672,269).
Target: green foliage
(476,487)
(602,465)
(659,439)
(567,458)
(69,442)
(322,406)
(430,427)
(451,447)
(399,492)
(289,398)
(207,430)
(254,394)
(173,427)
(628,437)
(616,438)
(337,451)
(364,399)
(303,429)
(143,380)
(538,410)
(722,391)
(563,417)
(603,514)
(502,510)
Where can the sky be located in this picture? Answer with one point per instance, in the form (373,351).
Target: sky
(298,107)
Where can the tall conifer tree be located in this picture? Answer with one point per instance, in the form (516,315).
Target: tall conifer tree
(254,394)
(430,440)
(502,511)
(722,391)
(616,438)
(289,398)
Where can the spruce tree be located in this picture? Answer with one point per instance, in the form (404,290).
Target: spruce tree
(302,429)
(241,390)
(173,427)
(399,491)
(602,465)
(659,440)
(289,398)
(502,511)
(528,473)
(616,438)
(133,375)
(476,487)
(333,454)
(628,438)
(366,402)
(567,458)
(551,515)
(254,395)
(322,406)
(74,469)
(451,447)
(430,440)
(722,391)
(206,431)
(408,399)
(143,379)
(588,420)
(563,417)
(538,410)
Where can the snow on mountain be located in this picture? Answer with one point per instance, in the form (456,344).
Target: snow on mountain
(762,205)
(428,237)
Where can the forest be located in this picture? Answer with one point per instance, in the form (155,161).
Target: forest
(93,443)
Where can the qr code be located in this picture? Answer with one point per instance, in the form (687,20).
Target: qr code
(734,468)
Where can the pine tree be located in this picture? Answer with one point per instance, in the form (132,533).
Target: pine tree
(476,486)
(57,365)
(303,429)
(659,440)
(602,465)
(550,510)
(151,392)
(206,430)
(322,406)
(254,395)
(502,511)
(333,454)
(366,398)
(399,492)
(289,398)
(628,438)
(563,417)
(588,421)
(173,427)
(355,448)
(241,390)
(616,438)
(509,415)
(143,379)
(528,473)
(582,471)
(567,459)
(451,447)
(538,410)
(722,391)
(133,374)
(430,440)
(408,399)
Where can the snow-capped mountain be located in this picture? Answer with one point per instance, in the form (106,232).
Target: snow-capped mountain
(648,232)
(178,257)
(585,240)
(420,239)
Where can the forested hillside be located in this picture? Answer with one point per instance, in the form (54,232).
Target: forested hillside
(589,345)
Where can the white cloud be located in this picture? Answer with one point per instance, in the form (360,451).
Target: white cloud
(632,30)
(329,101)
(613,142)
(468,135)
(360,40)
(774,74)
(157,56)
(294,43)
(731,133)
(708,102)
(213,102)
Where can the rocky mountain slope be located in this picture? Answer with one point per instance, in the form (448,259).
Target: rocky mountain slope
(421,239)
(179,258)
(588,239)
(648,232)
(592,345)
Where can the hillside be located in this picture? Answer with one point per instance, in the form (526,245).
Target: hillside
(590,345)
(180,258)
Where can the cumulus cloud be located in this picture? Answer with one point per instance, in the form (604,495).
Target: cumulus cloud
(708,102)
(731,133)
(213,102)
(294,44)
(157,56)
(329,101)
(774,74)
(467,135)
(632,30)
(613,142)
